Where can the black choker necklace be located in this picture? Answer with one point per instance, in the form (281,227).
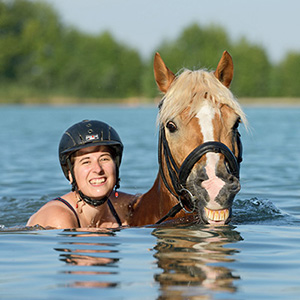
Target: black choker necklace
(91,201)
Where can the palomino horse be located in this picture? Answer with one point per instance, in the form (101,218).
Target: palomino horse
(199,148)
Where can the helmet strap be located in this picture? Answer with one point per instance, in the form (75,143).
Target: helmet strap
(74,184)
(91,201)
(117,186)
(79,200)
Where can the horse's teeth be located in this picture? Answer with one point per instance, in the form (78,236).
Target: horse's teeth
(217,215)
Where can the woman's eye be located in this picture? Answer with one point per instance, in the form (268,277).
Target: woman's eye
(171,126)
(105,158)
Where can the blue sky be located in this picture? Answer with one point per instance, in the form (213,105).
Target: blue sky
(144,24)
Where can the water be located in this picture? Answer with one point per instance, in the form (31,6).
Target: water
(255,257)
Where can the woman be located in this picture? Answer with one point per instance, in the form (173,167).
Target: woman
(90,154)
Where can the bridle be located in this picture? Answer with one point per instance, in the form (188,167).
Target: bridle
(179,175)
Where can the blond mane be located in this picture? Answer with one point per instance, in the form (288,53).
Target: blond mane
(190,88)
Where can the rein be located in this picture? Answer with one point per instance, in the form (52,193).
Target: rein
(179,176)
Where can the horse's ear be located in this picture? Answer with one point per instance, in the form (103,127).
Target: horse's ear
(163,76)
(224,71)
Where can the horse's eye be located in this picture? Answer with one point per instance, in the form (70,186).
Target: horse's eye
(236,124)
(171,126)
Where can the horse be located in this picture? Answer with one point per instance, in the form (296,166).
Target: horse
(199,151)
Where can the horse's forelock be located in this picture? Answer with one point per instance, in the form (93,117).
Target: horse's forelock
(189,89)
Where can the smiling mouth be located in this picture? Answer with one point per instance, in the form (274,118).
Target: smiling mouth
(216,215)
(97,181)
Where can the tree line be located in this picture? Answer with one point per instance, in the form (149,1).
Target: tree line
(40,58)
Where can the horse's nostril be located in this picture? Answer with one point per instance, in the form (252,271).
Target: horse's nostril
(232,179)
(202,178)
(235,186)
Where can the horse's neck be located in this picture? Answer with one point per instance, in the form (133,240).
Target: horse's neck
(153,205)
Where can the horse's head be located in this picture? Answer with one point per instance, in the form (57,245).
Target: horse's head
(199,137)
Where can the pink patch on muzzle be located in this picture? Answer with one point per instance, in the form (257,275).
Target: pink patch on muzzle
(213,186)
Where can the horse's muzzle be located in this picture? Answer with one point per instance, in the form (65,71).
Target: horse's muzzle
(213,196)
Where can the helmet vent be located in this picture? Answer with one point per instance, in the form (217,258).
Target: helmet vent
(81,138)
(109,138)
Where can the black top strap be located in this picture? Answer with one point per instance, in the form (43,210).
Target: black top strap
(110,205)
(114,213)
(70,206)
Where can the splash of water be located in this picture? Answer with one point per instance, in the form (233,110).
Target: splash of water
(257,211)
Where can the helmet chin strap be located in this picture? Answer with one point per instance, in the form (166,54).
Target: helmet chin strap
(91,201)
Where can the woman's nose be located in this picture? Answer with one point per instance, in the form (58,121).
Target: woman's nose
(97,167)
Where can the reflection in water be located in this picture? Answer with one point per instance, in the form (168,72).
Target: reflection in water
(91,254)
(192,259)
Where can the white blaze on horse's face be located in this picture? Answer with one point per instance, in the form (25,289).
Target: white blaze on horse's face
(213,184)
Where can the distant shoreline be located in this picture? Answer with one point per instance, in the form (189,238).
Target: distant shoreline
(140,101)
(270,101)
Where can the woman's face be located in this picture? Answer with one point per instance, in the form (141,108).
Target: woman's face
(95,171)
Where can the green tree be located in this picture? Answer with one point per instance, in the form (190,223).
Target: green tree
(286,76)
(252,70)
(199,47)
(196,47)
(29,33)
(37,51)
(97,66)
(41,55)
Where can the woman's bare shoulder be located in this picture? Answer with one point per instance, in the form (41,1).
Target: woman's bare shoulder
(53,214)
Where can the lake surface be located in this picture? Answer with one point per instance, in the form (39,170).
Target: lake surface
(255,257)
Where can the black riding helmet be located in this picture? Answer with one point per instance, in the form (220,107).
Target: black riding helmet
(86,134)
